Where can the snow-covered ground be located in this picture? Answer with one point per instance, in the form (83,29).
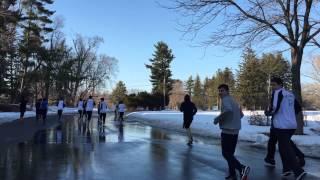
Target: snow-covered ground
(11,116)
(203,125)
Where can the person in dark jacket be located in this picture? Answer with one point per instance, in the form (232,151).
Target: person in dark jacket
(44,109)
(189,110)
(23,107)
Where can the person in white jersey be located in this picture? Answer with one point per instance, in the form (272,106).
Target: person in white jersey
(284,125)
(103,107)
(80,108)
(60,105)
(121,109)
(89,108)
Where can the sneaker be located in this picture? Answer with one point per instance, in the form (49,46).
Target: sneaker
(286,173)
(244,173)
(301,175)
(269,162)
(231,177)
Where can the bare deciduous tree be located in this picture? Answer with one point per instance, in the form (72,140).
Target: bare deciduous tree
(176,95)
(239,23)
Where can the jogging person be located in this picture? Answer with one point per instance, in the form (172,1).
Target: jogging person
(189,110)
(60,105)
(122,109)
(89,108)
(103,107)
(23,106)
(230,123)
(80,108)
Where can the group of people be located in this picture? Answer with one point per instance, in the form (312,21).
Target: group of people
(85,107)
(283,109)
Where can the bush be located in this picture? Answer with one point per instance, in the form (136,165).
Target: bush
(258,120)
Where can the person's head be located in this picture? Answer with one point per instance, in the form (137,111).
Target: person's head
(120,102)
(101,99)
(187,98)
(276,83)
(223,90)
(90,97)
(80,99)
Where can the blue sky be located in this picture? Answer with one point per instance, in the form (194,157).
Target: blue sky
(130,29)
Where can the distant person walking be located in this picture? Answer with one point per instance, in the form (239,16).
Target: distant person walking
(283,110)
(103,107)
(23,106)
(122,109)
(230,124)
(89,108)
(44,109)
(60,105)
(38,111)
(80,108)
(189,109)
(116,111)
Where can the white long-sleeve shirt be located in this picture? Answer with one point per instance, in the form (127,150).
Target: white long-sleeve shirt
(122,108)
(103,107)
(285,117)
(90,105)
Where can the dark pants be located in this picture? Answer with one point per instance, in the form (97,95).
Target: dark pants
(22,113)
(272,146)
(121,116)
(59,114)
(228,144)
(103,117)
(44,114)
(80,113)
(89,113)
(287,154)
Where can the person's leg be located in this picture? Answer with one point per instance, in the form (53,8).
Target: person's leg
(190,139)
(228,148)
(59,114)
(298,153)
(21,115)
(121,116)
(271,147)
(104,115)
(287,153)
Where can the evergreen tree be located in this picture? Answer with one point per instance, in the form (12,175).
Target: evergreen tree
(119,92)
(35,21)
(198,96)
(160,68)
(189,85)
(251,85)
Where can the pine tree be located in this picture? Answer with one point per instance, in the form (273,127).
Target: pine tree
(160,68)
(119,93)
(35,21)
(251,82)
(189,85)
(198,96)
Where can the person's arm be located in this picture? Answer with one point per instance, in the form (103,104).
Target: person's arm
(226,107)
(194,109)
(241,113)
(297,107)
(181,107)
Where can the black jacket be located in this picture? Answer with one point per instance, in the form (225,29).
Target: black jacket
(188,109)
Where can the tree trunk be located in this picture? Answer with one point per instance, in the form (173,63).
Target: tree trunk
(296,58)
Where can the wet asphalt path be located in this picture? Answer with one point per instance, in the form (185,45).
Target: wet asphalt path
(124,151)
